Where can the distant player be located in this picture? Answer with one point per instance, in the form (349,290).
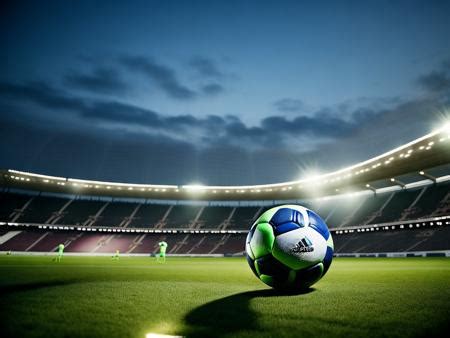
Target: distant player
(116,255)
(60,252)
(161,258)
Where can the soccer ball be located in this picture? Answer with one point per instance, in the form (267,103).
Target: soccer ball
(289,248)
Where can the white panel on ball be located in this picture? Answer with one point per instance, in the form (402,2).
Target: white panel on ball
(291,250)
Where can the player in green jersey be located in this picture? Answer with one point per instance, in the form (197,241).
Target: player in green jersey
(60,252)
(161,258)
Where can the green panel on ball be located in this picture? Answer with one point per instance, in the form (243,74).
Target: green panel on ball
(267,279)
(262,241)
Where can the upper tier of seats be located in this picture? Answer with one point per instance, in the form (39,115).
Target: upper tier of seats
(421,202)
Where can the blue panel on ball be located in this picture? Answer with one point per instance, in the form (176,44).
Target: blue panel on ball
(318,224)
(269,265)
(285,215)
(251,263)
(306,277)
(327,260)
(286,227)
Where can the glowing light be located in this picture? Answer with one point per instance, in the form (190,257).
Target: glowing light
(445,128)
(194,187)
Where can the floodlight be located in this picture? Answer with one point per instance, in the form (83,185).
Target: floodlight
(194,187)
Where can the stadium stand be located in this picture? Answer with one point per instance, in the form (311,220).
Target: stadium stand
(111,243)
(115,214)
(182,216)
(405,204)
(424,239)
(40,209)
(11,204)
(433,199)
(370,208)
(401,240)
(84,242)
(147,243)
(399,202)
(50,240)
(80,212)
(214,217)
(148,215)
(243,217)
(162,220)
(205,244)
(21,241)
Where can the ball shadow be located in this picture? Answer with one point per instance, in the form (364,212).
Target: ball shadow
(231,314)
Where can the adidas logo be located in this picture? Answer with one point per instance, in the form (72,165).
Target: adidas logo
(304,245)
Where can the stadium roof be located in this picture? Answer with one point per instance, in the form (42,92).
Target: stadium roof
(414,158)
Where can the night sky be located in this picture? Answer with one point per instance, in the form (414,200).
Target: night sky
(217,92)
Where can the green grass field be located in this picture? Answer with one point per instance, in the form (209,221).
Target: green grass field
(219,297)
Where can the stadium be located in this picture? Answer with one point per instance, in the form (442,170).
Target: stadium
(394,205)
(229,169)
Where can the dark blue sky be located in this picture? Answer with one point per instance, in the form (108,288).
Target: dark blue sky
(217,92)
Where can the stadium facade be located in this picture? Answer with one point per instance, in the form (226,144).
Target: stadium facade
(397,203)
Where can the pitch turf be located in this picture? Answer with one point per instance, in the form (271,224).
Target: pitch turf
(218,297)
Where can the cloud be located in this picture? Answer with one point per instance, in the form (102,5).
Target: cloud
(437,81)
(100,80)
(206,67)
(163,76)
(289,105)
(212,89)
(273,131)
(272,150)
(42,94)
